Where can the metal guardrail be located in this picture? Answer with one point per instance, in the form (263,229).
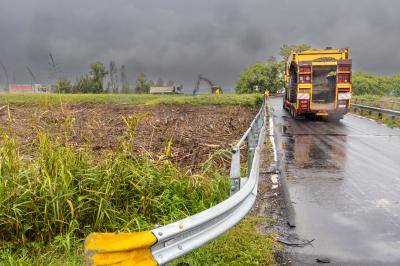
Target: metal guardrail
(380,111)
(179,238)
(383,104)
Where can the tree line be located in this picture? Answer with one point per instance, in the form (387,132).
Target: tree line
(267,75)
(116,81)
(366,83)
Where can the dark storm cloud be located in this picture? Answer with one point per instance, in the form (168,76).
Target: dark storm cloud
(181,39)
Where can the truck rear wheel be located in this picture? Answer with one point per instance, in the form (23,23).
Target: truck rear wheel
(293,113)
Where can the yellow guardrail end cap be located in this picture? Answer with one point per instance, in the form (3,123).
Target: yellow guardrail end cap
(120,249)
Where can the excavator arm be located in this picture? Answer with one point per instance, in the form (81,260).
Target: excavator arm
(215,89)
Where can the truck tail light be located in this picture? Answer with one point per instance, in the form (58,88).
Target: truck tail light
(303,104)
(305,69)
(344,68)
(343,78)
(304,78)
(342,104)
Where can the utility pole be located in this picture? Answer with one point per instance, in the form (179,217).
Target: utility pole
(6,74)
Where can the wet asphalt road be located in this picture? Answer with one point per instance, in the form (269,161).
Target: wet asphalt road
(344,181)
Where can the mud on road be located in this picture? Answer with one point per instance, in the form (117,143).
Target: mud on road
(196,132)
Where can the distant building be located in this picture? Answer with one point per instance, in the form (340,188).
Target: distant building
(164,89)
(27,88)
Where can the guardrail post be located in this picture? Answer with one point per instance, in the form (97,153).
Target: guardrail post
(235,170)
(251,145)
(382,105)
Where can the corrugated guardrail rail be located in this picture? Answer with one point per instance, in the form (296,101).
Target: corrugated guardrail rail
(166,243)
(382,110)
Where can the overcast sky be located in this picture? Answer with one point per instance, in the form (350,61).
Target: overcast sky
(178,40)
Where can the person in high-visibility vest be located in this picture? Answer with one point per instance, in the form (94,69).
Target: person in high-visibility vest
(266,93)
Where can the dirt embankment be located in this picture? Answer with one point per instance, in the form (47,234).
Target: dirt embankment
(196,132)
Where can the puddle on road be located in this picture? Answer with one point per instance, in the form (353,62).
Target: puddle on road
(309,152)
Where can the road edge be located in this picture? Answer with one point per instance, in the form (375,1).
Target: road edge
(291,214)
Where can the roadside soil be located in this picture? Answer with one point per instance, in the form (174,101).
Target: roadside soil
(196,132)
(270,203)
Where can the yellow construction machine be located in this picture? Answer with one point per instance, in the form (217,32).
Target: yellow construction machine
(215,89)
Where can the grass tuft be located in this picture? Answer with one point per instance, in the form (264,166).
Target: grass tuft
(242,245)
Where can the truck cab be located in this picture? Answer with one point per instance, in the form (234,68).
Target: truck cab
(318,83)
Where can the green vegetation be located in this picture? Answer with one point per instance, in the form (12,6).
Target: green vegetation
(87,83)
(365,83)
(386,120)
(392,103)
(147,99)
(97,73)
(63,85)
(92,82)
(142,85)
(264,75)
(285,50)
(56,198)
(51,199)
(37,254)
(242,245)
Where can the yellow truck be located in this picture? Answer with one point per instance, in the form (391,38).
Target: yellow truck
(318,83)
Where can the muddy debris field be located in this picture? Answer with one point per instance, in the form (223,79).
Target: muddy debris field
(196,131)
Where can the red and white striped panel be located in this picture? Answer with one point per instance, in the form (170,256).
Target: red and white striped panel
(344,96)
(303,96)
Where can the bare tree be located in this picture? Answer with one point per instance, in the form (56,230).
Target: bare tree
(171,83)
(112,85)
(160,82)
(124,80)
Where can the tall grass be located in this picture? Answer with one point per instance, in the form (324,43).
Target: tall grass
(64,192)
(250,100)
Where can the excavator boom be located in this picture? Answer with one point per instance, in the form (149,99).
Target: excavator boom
(215,89)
